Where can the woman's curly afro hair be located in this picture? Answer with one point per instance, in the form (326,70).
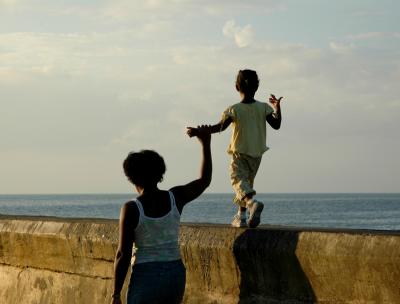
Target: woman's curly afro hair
(144,168)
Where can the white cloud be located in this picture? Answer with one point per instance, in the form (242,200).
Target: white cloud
(238,7)
(374,35)
(96,54)
(229,29)
(125,9)
(141,78)
(144,133)
(11,77)
(341,48)
(42,53)
(8,2)
(129,96)
(243,36)
(180,59)
(172,9)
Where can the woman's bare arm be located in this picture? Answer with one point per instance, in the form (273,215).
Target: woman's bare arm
(186,193)
(128,220)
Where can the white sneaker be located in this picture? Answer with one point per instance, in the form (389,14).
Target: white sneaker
(239,221)
(255,210)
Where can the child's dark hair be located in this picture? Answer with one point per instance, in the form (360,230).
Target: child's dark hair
(247,81)
(144,168)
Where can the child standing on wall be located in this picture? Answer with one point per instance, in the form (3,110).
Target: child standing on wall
(248,143)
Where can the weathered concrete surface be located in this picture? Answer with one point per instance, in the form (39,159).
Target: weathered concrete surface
(282,265)
(52,260)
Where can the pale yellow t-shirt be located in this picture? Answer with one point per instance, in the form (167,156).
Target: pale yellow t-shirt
(249,135)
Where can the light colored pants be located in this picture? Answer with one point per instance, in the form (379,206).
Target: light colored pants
(243,170)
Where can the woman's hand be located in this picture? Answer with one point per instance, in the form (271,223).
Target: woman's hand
(116,301)
(203,133)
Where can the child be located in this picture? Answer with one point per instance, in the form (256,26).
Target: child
(151,222)
(248,143)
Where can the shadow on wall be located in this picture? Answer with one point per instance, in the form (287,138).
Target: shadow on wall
(269,269)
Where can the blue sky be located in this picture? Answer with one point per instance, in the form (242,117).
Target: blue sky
(84,82)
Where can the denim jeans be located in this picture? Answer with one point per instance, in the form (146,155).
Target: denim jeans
(157,282)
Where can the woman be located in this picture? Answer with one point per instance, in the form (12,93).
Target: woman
(152,222)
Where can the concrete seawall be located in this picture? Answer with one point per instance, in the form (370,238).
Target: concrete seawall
(58,260)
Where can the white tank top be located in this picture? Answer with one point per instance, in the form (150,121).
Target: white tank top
(156,239)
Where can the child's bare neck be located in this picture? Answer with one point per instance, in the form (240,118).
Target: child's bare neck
(247,99)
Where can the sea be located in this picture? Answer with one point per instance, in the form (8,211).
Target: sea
(376,211)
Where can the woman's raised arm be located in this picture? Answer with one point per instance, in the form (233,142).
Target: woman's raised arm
(186,193)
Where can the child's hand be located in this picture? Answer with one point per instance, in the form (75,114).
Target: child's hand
(275,102)
(192,131)
(203,133)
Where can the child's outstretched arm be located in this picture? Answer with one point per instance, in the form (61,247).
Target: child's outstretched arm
(219,127)
(186,193)
(275,119)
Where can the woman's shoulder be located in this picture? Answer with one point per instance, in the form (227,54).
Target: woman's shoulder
(130,207)
(129,216)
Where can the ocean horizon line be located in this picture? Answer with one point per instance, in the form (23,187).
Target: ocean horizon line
(205,193)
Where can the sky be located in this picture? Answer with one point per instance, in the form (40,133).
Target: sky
(82,83)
